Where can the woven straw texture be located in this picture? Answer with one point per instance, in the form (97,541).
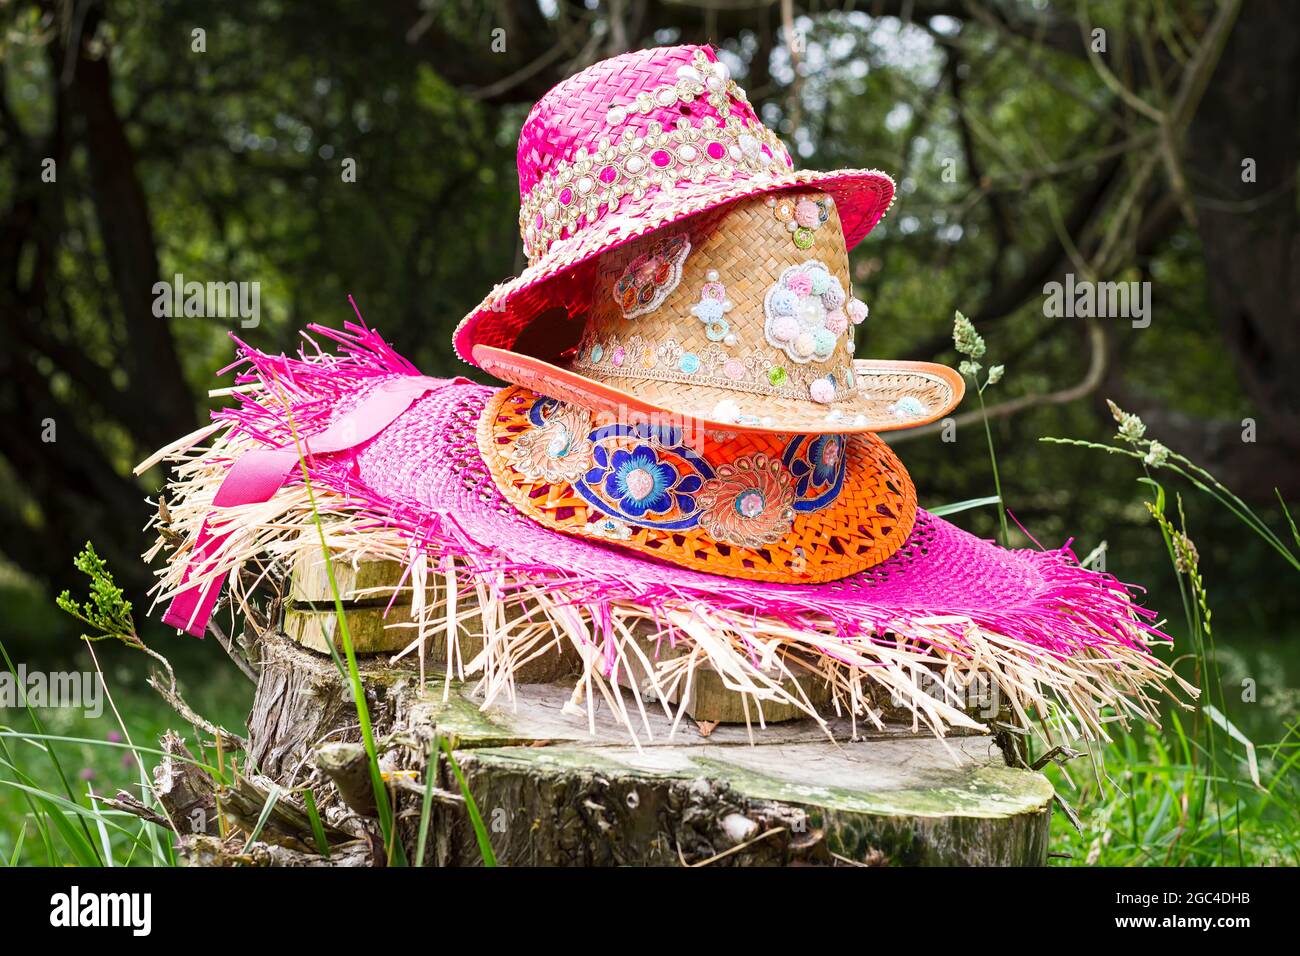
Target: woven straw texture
(722,366)
(827,507)
(1055,637)
(605,129)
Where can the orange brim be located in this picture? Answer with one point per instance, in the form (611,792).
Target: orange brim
(879,406)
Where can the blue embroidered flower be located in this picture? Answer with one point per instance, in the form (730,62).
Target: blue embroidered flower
(640,481)
(689,363)
(818,465)
(826,454)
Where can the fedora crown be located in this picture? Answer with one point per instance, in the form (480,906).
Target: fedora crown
(754,300)
(610,139)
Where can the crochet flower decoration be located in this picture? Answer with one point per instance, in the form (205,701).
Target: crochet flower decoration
(802,216)
(805,312)
(749,502)
(712,309)
(559,449)
(651,277)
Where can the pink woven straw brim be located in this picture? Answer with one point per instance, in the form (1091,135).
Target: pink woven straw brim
(562,277)
(424,475)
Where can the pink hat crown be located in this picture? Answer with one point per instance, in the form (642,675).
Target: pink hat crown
(608,140)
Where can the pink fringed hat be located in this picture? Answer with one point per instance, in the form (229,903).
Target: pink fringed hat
(397,473)
(679,265)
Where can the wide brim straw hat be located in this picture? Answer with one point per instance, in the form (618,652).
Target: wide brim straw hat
(649,144)
(396,474)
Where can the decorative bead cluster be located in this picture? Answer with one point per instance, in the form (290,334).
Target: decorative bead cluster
(801,216)
(667,360)
(634,164)
(806,314)
(706,77)
(712,309)
(651,277)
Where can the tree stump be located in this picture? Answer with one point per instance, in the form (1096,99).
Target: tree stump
(558,785)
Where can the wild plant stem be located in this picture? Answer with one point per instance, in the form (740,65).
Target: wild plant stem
(993,461)
(383,807)
(1242,511)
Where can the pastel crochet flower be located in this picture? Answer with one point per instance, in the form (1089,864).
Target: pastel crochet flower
(782,302)
(726,411)
(784,329)
(707,310)
(803,317)
(822,391)
(807,214)
(909,406)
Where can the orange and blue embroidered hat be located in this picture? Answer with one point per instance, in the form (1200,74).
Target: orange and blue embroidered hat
(756,505)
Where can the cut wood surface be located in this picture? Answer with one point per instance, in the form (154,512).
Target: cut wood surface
(558,783)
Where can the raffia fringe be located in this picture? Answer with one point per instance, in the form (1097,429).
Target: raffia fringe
(1080,659)
(921,664)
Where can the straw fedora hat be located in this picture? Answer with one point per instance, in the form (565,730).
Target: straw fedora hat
(679,266)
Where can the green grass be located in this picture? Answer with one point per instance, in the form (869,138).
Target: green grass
(1164,804)
(1201,791)
(40,826)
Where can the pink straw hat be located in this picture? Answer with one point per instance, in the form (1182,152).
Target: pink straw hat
(396,474)
(633,147)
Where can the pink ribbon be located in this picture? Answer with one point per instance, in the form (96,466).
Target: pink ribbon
(260,473)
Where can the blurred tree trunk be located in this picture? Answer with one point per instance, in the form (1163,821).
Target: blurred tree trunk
(60,405)
(1251,114)
(161,401)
